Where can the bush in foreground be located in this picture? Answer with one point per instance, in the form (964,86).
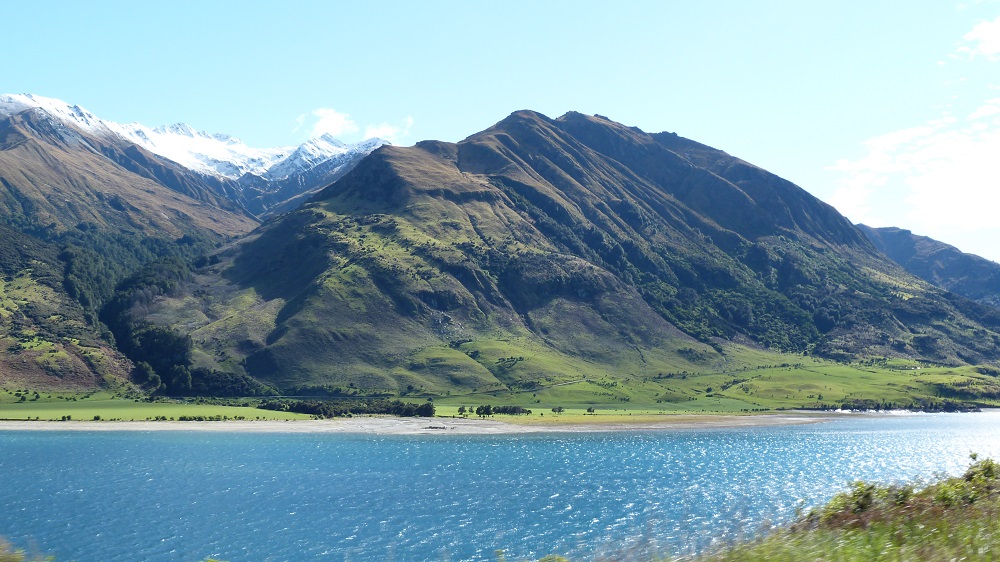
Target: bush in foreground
(9,554)
(953,519)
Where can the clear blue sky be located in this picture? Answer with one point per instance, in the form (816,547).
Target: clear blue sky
(884,109)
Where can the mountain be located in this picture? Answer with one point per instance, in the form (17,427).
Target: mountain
(261,180)
(312,166)
(542,251)
(79,212)
(940,264)
(56,177)
(92,202)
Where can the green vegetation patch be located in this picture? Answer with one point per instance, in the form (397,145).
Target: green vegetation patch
(751,382)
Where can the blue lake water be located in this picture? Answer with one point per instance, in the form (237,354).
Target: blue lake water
(191,495)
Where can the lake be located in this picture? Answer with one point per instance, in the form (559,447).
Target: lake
(124,495)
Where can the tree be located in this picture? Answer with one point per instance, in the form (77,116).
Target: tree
(180,380)
(144,375)
(154,383)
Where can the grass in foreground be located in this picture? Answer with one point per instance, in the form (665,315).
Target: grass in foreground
(9,554)
(953,519)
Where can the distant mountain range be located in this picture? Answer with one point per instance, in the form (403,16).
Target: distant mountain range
(261,180)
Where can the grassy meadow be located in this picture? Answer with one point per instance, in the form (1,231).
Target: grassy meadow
(106,407)
(756,383)
(748,382)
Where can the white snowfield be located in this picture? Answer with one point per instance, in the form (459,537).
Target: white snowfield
(210,154)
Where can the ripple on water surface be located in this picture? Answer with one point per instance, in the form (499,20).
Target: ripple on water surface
(187,496)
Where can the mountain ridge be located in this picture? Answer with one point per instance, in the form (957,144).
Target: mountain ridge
(940,264)
(527,254)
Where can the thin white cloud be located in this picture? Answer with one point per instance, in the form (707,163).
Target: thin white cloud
(853,196)
(937,179)
(332,122)
(989,109)
(328,121)
(391,133)
(940,178)
(983,40)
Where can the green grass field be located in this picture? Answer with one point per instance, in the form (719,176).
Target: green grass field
(108,408)
(749,382)
(750,386)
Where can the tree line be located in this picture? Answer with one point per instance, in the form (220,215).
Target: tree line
(488,410)
(343,408)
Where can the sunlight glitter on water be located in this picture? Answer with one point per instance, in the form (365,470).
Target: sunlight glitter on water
(183,496)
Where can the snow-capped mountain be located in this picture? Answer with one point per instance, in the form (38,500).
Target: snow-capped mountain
(216,154)
(74,114)
(306,156)
(270,176)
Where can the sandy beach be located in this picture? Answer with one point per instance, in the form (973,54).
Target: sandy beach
(424,426)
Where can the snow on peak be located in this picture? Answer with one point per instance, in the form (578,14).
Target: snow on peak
(212,154)
(222,137)
(72,114)
(371,144)
(218,154)
(328,139)
(182,129)
(317,151)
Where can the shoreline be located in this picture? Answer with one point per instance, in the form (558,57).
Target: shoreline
(428,426)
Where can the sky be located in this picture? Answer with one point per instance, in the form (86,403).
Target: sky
(889,111)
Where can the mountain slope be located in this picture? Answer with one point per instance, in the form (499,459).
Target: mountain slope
(91,211)
(546,250)
(46,340)
(57,177)
(940,264)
